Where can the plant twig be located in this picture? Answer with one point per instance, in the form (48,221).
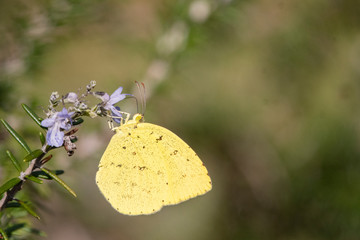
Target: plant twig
(10,194)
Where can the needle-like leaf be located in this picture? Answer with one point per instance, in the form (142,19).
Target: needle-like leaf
(42,138)
(28,208)
(9,184)
(14,161)
(57,179)
(12,205)
(32,114)
(77,121)
(34,179)
(43,175)
(3,234)
(34,154)
(17,137)
(9,230)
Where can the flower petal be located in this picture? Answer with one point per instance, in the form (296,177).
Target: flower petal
(102,95)
(54,136)
(65,124)
(48,122)
(117,92)
(116,96)
(115,112)
(63,114)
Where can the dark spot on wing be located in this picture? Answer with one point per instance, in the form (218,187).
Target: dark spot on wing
(188,160)
(153,210)
(151,133)
(159,139)
(134,153)
(167,183)
(129,134)
(119,165)
(138,136)
(112,163)
(142,168)
(124,147)
(143,146)
(163,200)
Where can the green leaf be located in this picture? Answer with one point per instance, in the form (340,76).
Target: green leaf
(14,161)
(32,114)
(34,154)
(42,138)
(43,175)
(77,121)
(17,137)
(3,235)
(37,232)
(28,209)
(13,228)
(57,179)
(12,205)
(9,184)
(34,179)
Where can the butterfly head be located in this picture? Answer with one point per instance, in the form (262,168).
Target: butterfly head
(138,118)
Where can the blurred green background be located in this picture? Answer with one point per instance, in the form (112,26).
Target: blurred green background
(266,92)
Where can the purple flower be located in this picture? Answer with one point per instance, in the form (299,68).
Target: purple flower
(109,101)
(55,124)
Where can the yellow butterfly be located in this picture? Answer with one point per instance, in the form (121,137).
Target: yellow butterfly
(146,167)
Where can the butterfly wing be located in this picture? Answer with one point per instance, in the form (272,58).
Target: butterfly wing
(187,177)
(147,167)
(128,178)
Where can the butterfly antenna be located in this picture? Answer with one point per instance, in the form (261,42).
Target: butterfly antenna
(144,98)
(141,89)
(137,103)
